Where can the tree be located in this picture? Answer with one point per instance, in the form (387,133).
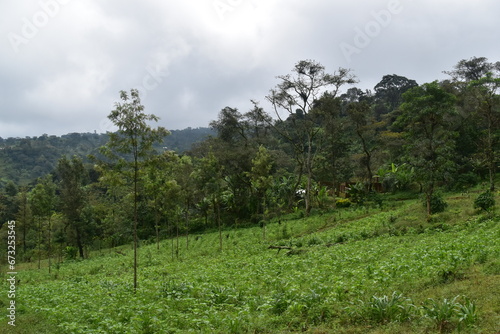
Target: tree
(262,180)
(134,138)
(389,93)
(487,106)
(425,119)
(364,126)
(208,176)
(229,126)
(476,121)
(161,188)
(184,177)
(333,165)
(475,68)
(23,217)
(73,197)
(477,82)
(296,94)
(43,202)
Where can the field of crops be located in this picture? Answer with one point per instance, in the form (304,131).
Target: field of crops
(357,271)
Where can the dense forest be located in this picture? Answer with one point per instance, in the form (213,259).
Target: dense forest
(325,144)
(23,160)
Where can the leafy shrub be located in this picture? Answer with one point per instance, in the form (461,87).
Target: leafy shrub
(314,240)
(438,204)
(70,253)
(441,313)
(485,201)
(387,309)
(463,182)
(448,314)
(358,193)
(343,203)
(467,314)
(174,290)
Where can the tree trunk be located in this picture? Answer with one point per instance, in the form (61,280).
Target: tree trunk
(177,240)
(309,163)
(491,160)
(186,217)
(79,243)
(49,246)
(428,194)
(136,175)
(39,242)
(157,228)
(217,217)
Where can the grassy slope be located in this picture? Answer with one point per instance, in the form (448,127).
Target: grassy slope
(324,285)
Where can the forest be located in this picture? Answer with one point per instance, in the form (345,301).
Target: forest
(324,146)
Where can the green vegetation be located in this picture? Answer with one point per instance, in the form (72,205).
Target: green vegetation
(357,212)
(23,160)
(351,271)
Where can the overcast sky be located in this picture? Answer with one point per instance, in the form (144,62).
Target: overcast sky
(63,62)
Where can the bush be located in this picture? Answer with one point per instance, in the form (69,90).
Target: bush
(448,314)
(358,193)
(343,203)
(438,204)
(70,253)
(485,201)
(387,309)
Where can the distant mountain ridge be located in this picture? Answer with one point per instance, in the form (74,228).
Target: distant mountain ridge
(23,160)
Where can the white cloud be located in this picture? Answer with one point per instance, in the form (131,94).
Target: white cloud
(191,62)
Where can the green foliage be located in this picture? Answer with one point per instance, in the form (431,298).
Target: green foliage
(70,253)
(438,204)
(259,173)
(358,193)
(343,203)
(397,178)
(389,308)
(250,288)
(485,201)
(23,160)
(450,313)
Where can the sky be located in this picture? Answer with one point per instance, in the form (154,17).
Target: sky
(64,62)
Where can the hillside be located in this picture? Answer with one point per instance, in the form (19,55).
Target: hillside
(356,270)
(23,160)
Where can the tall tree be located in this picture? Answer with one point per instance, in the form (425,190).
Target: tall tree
(364,126)
(42,203)
(389,93)
(185,173)
(295,95)
(208,176)
(73,197)
(333,166)
(485,92)
(161,188)
(477,82)
(262,180)
(135,139)
(23,217)
(475,68)
(425,119)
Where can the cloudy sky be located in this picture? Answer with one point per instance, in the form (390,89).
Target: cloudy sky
(63,62)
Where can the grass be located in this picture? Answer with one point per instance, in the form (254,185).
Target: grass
(356,270)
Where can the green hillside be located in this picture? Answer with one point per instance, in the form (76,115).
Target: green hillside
(357,270)
(23,160)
